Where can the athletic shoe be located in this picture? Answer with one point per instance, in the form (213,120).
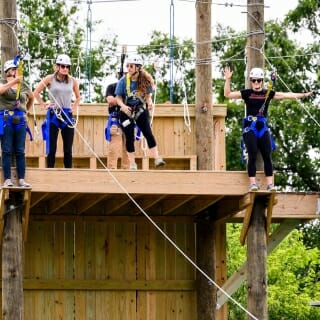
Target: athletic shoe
(253,187)
(8,183)
(159,162)
(133,167)
(271,187)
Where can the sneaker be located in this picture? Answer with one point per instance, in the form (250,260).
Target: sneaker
(8,183)
(24,184)
(253,187)
(133,167)
(159,162)
(271,187)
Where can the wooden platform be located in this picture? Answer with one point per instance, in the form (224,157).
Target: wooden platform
(162,193)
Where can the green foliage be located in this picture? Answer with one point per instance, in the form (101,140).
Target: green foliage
(158,53)
(294,124)
(293,277)
(50,28)
(289,295)
(306,15)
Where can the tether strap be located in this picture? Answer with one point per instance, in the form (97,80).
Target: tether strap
(113,120)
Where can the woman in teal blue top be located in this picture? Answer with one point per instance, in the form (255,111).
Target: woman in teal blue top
(133,94)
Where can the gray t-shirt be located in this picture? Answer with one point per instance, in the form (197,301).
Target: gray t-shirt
(60,92)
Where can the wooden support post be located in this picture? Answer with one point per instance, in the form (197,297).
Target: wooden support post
(221,264)
(206,291)
(246,220)
(271,203)
(257,260)
(12,275)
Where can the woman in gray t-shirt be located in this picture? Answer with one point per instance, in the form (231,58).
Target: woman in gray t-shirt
(61,89)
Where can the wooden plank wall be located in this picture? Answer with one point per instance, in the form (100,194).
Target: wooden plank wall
(172,134)
(108,270)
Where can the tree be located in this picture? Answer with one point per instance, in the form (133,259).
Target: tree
(49,28)
(294,124)
(293,277)
(157,54)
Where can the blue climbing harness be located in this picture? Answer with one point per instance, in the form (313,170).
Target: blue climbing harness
(15,119)
(60,117)
(113,120)
(259,126)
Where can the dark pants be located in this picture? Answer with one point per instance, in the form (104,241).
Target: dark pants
(253,145)
(13,143)
(144,125)
(67,139)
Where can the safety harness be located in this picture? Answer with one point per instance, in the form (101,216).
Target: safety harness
(258,124)
(15,118)
(139,106)
(60,117)
(113,120)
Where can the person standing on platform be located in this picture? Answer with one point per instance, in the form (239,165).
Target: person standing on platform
(256,134)
(61,88)
(15,99)
(113,132)
(133,94)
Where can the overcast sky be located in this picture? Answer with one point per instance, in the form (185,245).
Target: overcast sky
(134,20)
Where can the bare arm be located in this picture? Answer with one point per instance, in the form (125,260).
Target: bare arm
(44,83)
(123,107)
(76,91)
(112,101)
(6,86)
(148,99)
(227,91)
(291,95)
(30,101)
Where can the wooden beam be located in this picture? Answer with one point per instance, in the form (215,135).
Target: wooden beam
(247,217)
(271,203)
(2,208)
(206,291)
(235,281)
(257,262)
(26,211)
(58,202)
(115,285)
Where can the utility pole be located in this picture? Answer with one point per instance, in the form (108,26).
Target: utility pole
(12,247)
(203,107)
(206,293)
(8,16)
(256,238)
(255,39)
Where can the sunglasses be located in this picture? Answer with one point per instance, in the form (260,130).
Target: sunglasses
(256,80)
(62,66)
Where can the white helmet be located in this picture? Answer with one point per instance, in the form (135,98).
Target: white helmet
(136,59)
(256,73)
(8,65)
(63,59)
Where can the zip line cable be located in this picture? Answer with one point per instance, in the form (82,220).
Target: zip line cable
(125,191)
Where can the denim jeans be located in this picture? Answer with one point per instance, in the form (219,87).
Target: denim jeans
(13,143)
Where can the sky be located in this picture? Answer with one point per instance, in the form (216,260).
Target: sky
(134,20)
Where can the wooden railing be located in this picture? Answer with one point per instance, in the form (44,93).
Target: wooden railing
(176,140)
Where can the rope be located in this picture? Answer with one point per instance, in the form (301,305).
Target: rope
(186,115)
(125,191)
(298,100)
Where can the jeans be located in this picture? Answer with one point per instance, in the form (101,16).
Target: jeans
(13,143)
